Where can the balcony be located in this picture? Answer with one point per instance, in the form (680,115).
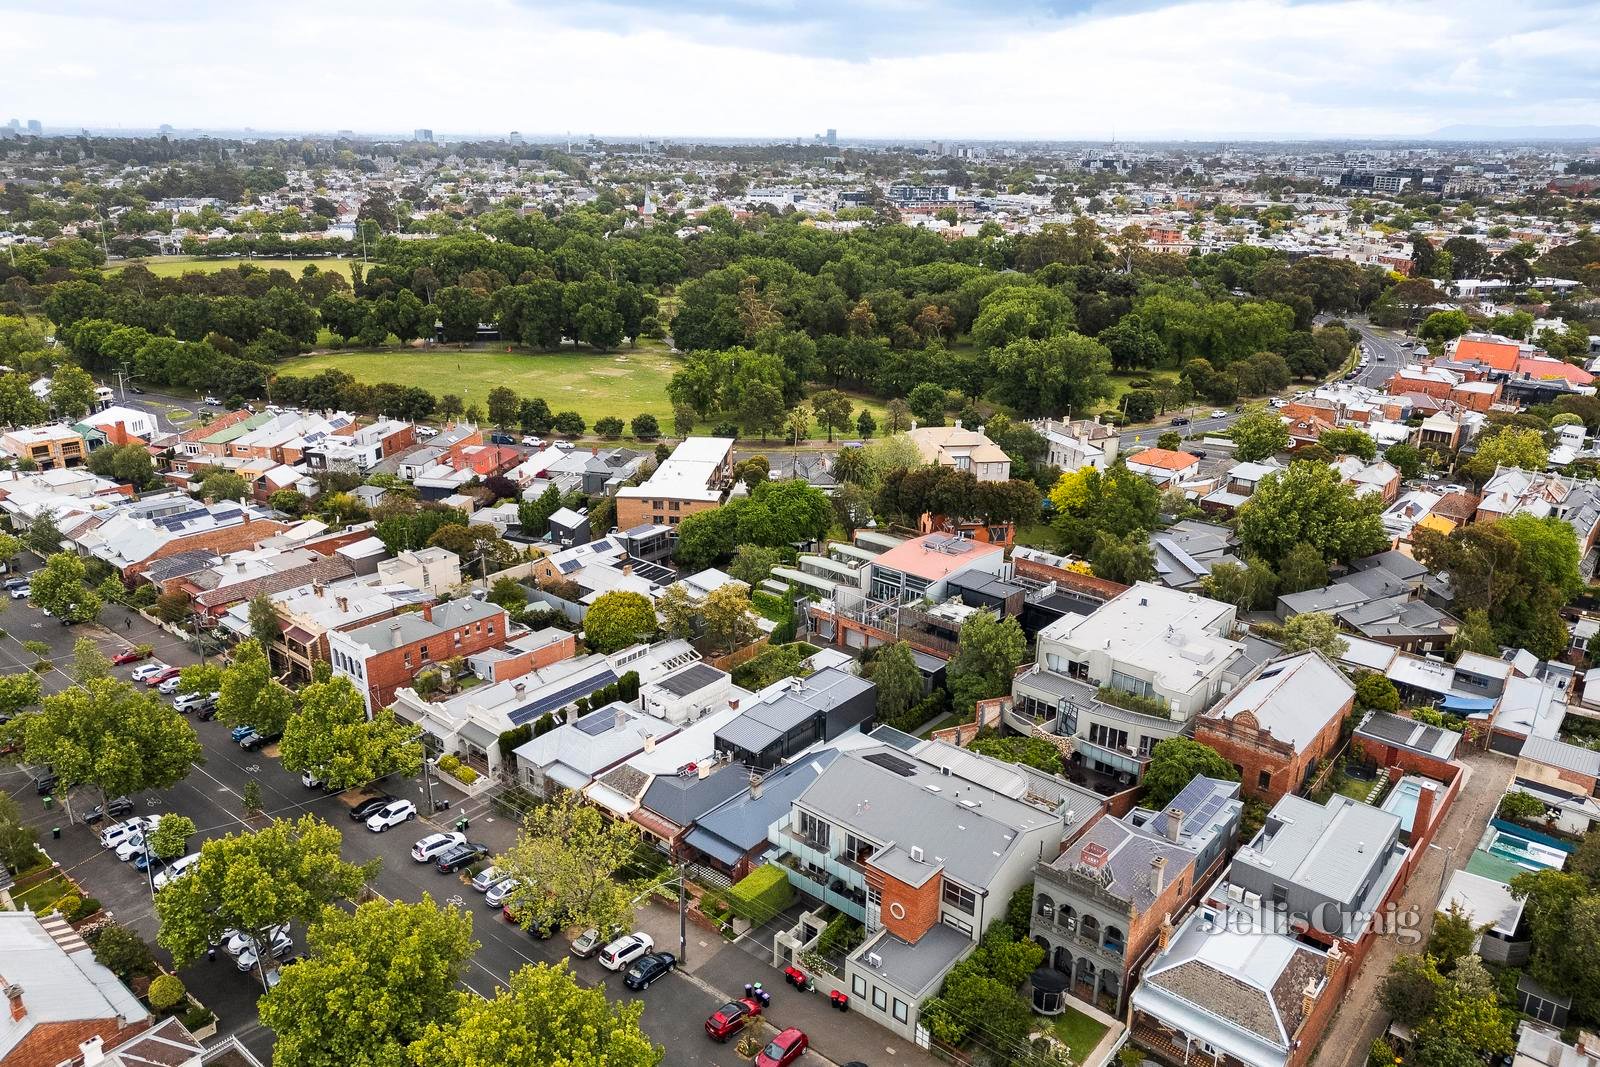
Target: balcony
(816,883)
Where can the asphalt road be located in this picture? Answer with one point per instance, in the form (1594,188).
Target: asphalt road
(675,1007)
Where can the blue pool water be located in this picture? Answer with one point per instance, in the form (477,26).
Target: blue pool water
(1402,801)
(1530,854)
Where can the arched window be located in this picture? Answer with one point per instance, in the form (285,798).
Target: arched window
(1062,961)
(1089,927)
(1045,908)
(1113,940)
(1068,917)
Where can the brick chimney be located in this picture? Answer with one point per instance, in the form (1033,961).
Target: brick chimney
(755,786)
(13,994)
(427,612)
(1164,932)
(1158,875)
(1335,960)
(1308,1000)
(1422,818)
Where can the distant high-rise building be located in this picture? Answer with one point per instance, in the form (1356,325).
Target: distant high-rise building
(833,135)
(14,124)
(35,126)
(515,138)
(420,134)
(166,128)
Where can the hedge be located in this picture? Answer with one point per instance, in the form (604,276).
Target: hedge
(761,894)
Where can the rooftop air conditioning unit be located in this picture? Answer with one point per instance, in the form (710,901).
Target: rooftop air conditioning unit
(916,853)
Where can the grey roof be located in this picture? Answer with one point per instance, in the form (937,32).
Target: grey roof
(1119,856)
(1409,733)
(761,724)
(1293,698)
(969,835)
(1199,801)
(180,564)
(1585,761)
(60,980)
(1395,562)
(1333,848)
(683,800)
(915,969)
(411,626)
(691,679)
(1329,598)
(740,822)
(1394,617)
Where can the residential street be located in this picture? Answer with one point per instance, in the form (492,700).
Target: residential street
(675,1008)
(1361,1018)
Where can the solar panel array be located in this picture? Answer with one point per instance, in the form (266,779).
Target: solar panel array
(1199,801)
(890,762)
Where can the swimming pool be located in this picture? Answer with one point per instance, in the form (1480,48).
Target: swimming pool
(1524,853)
(1402,800)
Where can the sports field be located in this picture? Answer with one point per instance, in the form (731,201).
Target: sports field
(174,266)
(623,383)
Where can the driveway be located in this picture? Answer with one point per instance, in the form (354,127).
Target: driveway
(1361,1018)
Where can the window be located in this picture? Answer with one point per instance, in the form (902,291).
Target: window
(1044,907)
(874,897)
(1264,780)
(1129,684)
(858,985)
(408,660)
(956,924)
(458,638)
(880,999)
(1107,737)
(902,1013)
(960,897)
(424,653)
(813,829)
(1146,743)
(491,629)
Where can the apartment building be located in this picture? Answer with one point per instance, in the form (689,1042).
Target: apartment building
(382,657)
(47,447)
(696,477)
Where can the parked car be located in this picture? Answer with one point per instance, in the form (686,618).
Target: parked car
(154,680)
(624,950)
(21,592)
(784,1049)
(540,930)
(211,400)
(207,712)
(501,439)
(1219,413)
(137,843)
(311,781)
(1180,420)
(495,896)
(16,583)
(168,687)
(729,1019)
(647,969)
(148,861)
(117,833)
(435,845)
(588,943)
(252,741)
(370,807)
(485,879)
(391,814)
(465,854)
(278,947)
(176,869)
(234,941)
(117,807)
(532,442)
(187,702)
(132,655)
(238,732)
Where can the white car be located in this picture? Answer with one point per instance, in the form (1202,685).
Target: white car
(279,947)
(236,941)
(176,869)
(426,432)
(391,814)
(21,592)
(148,670)
(117,833)
(1219,414)
(533,442)
(497,893)
(190,701)
(133,846)
(210,400)
(432,845)
(625,949)
(170,686)
(1278,402)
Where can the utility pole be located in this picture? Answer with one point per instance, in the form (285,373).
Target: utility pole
(683,913)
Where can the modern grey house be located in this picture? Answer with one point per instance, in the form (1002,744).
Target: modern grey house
(818,708)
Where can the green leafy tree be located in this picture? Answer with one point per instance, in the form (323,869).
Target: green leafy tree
(1374,692)
(1550,552)
(1453,935)
(1246,586)
(1116,501)
(1174,762)
(1563,913)
(1258,435)
(371,984)
(1301,568)
(19,847)
(571,862)
(289,870)
(111,736)
(223,485)
(1314,630)
(59,589)
(1347,441)
(1123,559)
(618,619)
(171,837)
(1444,326)
(987,655)
(545,1017)
(725,613)
(332,736)
(250,695)
(1467,1017)
(752,564)
(1308,503)
(534,515)
(1066,370)
(679,611)
(833,410)
(264,623)
(71,391)
(898,679)
(503,406)
(1513,446)
(10,548)
(1410,991)
(43,536)
(1406,458)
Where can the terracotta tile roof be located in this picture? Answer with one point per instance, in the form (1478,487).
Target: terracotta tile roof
(1500,355)
(1164,458)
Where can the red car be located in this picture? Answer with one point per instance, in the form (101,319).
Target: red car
(783,1049)
(731,1018)
(156,679)
(133,655)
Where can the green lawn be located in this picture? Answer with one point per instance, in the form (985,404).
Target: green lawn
(1078,1032)
(44,894)
(174,266)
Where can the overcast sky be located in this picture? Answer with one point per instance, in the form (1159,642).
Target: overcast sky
(762,68)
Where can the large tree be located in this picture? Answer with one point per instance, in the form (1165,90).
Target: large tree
(1511,446)
(1066,371)
(250,695)
(109,735)
(59,589)
(1314,630)
(372,982)
(1259,435)
(618,619)
(71,392)
(898,680)
(570,863)
(286,872)
(1309,504)
(332,736)
(987,655)
(545,1017)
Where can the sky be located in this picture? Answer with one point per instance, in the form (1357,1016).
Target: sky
(975,69)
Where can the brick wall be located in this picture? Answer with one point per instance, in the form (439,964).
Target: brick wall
(393,669)
(1087,584)
(1243,743)
(908,911)
(522,662)
(636,511)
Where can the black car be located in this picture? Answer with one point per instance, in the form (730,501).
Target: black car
(368,808)
(207,712)
(648,968)
(1181,420)
(252,741)
(119,806)
(44,782)
(462,855)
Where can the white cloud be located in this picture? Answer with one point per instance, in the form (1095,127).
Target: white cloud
(1200,69)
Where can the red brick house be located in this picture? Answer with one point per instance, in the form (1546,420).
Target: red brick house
(1276,726)
(386,656)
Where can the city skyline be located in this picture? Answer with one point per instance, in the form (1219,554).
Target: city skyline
(1213,69)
